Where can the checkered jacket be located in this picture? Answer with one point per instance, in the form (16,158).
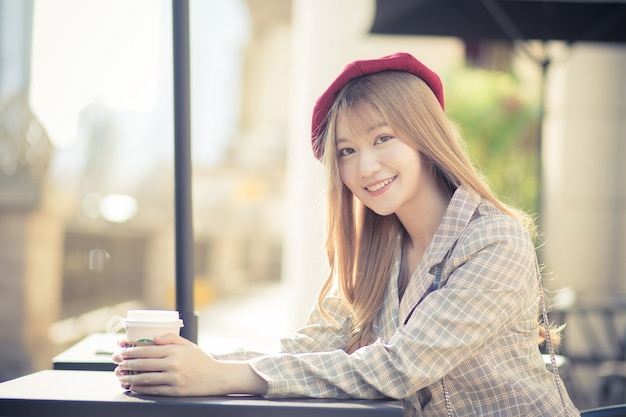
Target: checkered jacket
(473,339)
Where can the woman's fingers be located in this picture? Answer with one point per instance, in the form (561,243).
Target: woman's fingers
(141,352)
(133,366)
(172,339)
(151,389)
(151,383)
(127,352)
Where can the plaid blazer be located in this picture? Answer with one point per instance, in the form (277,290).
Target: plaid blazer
(472,342)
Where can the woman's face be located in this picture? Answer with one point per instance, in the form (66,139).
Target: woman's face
(380,169)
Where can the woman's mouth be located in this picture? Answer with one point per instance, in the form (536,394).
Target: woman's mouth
(380,185)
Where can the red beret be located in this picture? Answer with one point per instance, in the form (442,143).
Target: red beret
(400,61)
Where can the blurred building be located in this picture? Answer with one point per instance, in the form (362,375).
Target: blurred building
(83,240)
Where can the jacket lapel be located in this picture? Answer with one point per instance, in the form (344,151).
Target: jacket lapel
(418,285)
(456,218)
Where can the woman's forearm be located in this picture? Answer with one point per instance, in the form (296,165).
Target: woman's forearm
(242,379)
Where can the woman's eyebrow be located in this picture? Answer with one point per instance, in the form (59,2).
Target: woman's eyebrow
(369,129)
(377,125)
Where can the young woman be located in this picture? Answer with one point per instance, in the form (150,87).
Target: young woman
(434,290)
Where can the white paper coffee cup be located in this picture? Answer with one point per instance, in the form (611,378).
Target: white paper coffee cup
(143,325)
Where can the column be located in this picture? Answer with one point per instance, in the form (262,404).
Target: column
(584,156)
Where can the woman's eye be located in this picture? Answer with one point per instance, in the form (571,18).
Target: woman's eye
(346,151)
(383,139)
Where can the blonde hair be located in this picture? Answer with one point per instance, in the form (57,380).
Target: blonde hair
(360,244)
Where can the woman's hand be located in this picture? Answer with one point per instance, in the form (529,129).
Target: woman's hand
(176,367)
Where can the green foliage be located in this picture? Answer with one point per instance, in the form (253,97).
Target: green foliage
(498,118)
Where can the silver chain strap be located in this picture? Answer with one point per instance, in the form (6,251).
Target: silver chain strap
(555,368)
(546,323)
(446,397)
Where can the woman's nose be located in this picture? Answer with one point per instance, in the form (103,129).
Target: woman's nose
(368,164)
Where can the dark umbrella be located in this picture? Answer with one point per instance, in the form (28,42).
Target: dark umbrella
(182,171)
(570,21)
(513,20)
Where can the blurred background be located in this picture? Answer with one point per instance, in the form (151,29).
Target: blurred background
(87,180)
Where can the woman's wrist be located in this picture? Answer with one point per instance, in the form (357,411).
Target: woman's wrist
(243,379)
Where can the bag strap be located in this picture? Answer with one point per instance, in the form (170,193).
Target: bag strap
(436,284)
(546,323)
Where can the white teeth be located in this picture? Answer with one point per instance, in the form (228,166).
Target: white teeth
(379,185)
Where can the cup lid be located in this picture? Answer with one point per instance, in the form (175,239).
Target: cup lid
(152,318)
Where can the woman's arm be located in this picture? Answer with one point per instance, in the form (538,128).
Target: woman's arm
(178,367)
(492,290)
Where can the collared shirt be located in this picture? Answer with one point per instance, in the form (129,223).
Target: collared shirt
(472,340)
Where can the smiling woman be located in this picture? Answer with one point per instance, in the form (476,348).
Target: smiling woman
(433,289)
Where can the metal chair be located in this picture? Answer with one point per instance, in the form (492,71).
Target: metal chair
(609,411)
(612,375)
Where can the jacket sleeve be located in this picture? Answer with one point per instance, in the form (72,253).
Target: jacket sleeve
(492,284)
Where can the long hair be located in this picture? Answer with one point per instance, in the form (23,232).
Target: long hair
(360,244)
